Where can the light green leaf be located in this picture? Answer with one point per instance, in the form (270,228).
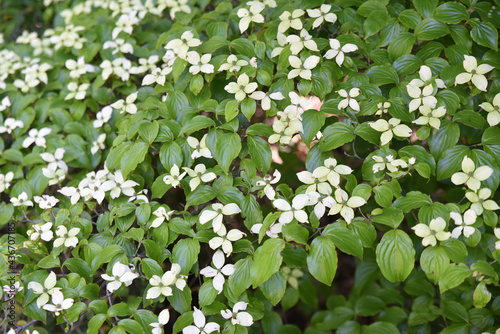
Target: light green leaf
(227,149)
(322,260)
(395,255)
(267,261)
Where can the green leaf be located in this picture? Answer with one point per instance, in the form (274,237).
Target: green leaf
(345,239)
(451,161)
(451,13)
(382,75)
(322,260)
(433,262)
(389,216)
(312,121)
(375,22)
(241,280)
(274,288)
(481,295)
(429,29)
(409,18)
(227,149)
(485,34)
(80,267)
(368,306)
(185,253)
(95,323)
(455,311)
(181,299)
(395,255)
(131,326)
(197,123)
(260,152)
(267,261)
(452,276)
(202,194)
(170,155)
(470,118)
(412,200)
(149,131)
(243,46)
(401,44)
(446,137)
(425,7)
(381,327)
(248,107)
(207,294)
(336,135)
(119,310)
(491,136)
(150,268)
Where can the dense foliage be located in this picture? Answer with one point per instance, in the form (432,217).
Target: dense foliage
(203,166)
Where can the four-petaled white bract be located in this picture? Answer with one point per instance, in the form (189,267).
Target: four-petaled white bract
(121,274)
(345,205)
(59,303)
(163,319)
(474,73)
(200,324)
(241,87)
(238,317)
(471,175)
(48,288)
(218,271)
(435,231)
(464,223)
(390,128)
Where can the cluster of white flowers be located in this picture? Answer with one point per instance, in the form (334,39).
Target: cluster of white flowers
(57,169)
(289,120)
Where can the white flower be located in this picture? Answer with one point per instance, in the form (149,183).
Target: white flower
(10,125)
(241,88)
(292,276)
(103,116)
(162,215)
(12,289)
(265,98)
(22,200)
(98,145)
(121,274)
(175,177)
(392,165)
(181,46)
(497,234)
(5,181)
(37,137)
(200,325)
(121,186)
(199,64)
(317,183)
(493,110)
(283,133)
(322,14)
(382,108)
(302,69)
(291,20)
(390,128)
(345,205)
(217,213)
(218,271)
(45,201)
(349,99)
(119,45)
(225,240)
(48,288)
(77,92)
(78,68)
(58,303)
(163,319)
(237,317)
(252,15)
(55,160)
(320,203)
(272,231)
(291,211)
(332,171)
(43,232)
(68,239)
(469,218)
(338,52)
(434,231)
(232,64)
(297,43)
(268,182)
(425,74)
(71,192)
(161,286)
(200,147)
(126,105)
(5,104)
(158,75)
(480,201)
(421,97)
(471,175)
(119,66)
(297,105)
(199,175)
(430,117)
(53,174)
(474,73)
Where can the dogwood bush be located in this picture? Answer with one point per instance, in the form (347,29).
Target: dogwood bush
(194,166)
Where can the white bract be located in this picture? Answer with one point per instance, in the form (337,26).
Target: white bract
(55,160)
(349,99)
(265,98)
(480,201)
(292,276)
(289,212)
(316,183)
(45,201)
(68,239)
(322,14)
(163,319)
(217,213)
(121,274)
(433,232)
(267,183)
(21,200)
(199,175)
(200,325)
(392,165)
(218,271)
(493,110)
(98,145)
(241,87)
(48,288)
(430,117)
(470,175)
(199,64)
(345,205)
(126,105)
(161,215)
(119,45)
(390,128)
(37,137)
(420,97)
(103,117)
(302,69)
(175,177)
(338,52)
(425,74)
(5,181)
(10,124)
(161,285)
(253,15)
(474,73)
(469,218)
(237,316)
(332,171)
(226,240)
(292,20)
(382,108)
(58,303)
(5,103)
(303,40)
(76,91)
(181,46)
(200,147)
(77,68)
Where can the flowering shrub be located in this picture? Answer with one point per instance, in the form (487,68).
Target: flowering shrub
(256,167)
